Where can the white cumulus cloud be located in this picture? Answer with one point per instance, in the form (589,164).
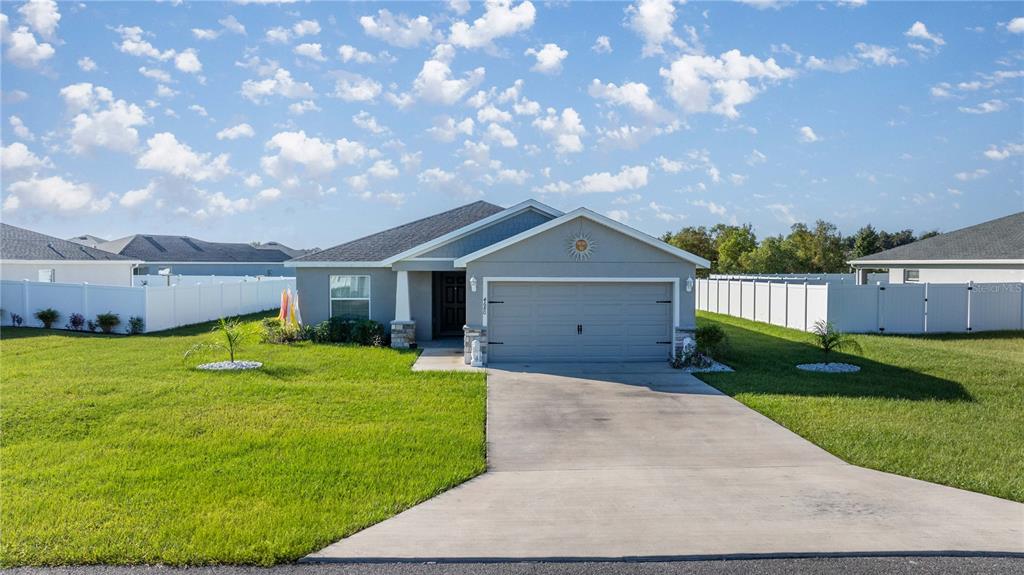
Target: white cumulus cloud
(565,130)
(236,132)
(166,154)
(399,30)
(720,85)
(549,58)
(500,19)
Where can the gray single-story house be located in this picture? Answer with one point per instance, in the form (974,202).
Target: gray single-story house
(184,255)
(32,256)
(989,252)
(527,283)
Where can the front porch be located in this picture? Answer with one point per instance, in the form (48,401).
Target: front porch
(441,307)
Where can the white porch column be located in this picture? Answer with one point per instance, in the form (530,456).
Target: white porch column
(402,312)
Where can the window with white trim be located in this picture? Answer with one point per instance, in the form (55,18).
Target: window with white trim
(911,276)
(350,297)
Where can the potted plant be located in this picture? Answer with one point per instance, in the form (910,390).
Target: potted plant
(47,316)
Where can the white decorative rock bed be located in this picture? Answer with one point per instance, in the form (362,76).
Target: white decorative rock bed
(240,365)
(831,367)
(714,367)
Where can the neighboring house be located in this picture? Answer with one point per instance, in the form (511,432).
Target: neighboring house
(88,240)
(28,255)
(292,252)
(529,283)
(992,251)
(190,256)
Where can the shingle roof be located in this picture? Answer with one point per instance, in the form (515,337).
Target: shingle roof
(87,240)
(21,244)
(999,239)
(381,245)
(155,248)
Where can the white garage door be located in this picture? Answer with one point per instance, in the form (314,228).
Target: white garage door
(579,322)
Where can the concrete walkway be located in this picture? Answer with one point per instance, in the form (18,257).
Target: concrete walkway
(642,461)
(442,355)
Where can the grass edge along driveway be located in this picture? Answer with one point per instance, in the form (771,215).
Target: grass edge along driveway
(942,408)
(113,451)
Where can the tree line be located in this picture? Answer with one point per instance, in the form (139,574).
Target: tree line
(819,249)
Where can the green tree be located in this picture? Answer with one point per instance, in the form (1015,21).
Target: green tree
(731,242)
(866,242)
(897,239)
(773,256)
(930,234)
(829,255)
(696,240)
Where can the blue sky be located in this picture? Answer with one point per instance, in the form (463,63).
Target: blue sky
(314,123)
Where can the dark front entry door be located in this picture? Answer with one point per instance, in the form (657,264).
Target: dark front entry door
(451,300)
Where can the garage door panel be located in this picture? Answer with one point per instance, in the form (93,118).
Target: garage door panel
(621,321)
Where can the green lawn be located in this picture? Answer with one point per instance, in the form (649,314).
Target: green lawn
(113,451)
(947,409)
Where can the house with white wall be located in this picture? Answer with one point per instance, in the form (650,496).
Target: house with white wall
(989,252)
(29,255)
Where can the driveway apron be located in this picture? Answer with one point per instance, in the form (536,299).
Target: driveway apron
(640,461)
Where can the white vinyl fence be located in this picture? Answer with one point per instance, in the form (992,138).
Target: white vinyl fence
(161,307)
(893,308)
(812,278)
(178,279)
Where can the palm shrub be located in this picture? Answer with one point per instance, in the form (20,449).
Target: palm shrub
(830,339)
(47,316)
(108,321)
(136,325)
(228,335)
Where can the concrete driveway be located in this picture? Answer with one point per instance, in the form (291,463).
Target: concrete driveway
(640,461)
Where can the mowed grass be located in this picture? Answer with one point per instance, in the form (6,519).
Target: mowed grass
(947,409)
(114,451)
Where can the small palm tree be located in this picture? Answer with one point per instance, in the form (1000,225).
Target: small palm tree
(228,335)
(830,339)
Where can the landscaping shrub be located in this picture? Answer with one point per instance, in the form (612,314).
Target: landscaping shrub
(48,316)
(17,320)
(91,325)
(229,335)
(340,330)
(272,331)
(136,325)
(108,321)
(76,321)
(368,332)
(830,339)
(711,341)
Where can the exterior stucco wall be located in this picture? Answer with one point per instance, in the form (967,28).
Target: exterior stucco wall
(938,274)
(313,285)
(117,274)
(489,235)
(219,269)
(615,255)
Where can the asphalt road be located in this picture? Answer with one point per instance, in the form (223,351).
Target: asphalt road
(812,566)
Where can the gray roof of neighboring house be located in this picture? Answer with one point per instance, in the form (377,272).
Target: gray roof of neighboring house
(292,252)
(382,245)
(21,244)
(87,240)
(999,239)
(159,249)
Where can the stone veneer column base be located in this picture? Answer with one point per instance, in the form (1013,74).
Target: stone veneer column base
(678,337)
(403,334)
(473,333)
